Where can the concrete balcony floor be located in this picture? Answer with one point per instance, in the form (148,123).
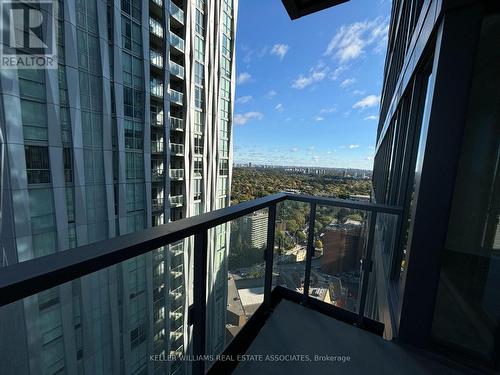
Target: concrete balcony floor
(298,330)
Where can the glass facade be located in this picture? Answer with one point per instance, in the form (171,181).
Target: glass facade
(111,147)
(467,310)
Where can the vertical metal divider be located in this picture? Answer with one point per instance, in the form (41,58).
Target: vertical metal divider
(269,253)
(310,250)
(366,267)
(199,299)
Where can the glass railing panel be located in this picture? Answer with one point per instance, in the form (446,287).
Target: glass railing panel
(237,277)
(177,149)
(176,96)
(176,174)
(141,303)
(156,58)
(176,12)
(176,123)
(177,200)
(155,27)
(176,69)
(340,236)
(290,245)
(176,41)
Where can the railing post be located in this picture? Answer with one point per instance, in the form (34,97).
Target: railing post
(199,300)
(310,250)
(366,267)
(269,253)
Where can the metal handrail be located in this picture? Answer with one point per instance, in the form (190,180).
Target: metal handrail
(23,279)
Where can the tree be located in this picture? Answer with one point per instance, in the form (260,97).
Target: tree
(318,244)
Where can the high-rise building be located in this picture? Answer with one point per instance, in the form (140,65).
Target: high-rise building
(256,229)
(132,130)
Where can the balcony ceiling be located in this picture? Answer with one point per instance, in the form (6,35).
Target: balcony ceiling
(300,8)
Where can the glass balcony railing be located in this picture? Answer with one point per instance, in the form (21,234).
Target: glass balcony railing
(177,200)
(176,174)
(176,69)
(157,147)
(176,96)
(155,28)
(176,12)
(156,88)
(301,248)
(157,175)
(157,204)
(158,2)
(176,41)
(177,148)
(156,58)
(176,123)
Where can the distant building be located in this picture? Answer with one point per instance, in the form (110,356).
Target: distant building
(342,248)
(256,228)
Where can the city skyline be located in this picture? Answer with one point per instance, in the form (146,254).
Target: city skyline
(308,91)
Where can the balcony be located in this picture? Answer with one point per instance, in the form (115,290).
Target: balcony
(176,124)
(157,147)
(177,14)
(177,42)
(176,174)
(176,97)
(285,314)
(176,70)
(157,204)
(156,88)
(177,149)
(156,58)
(157,175)
(155,28)
(176,200)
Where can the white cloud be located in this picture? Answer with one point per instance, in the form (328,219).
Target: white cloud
(244,99)
(295,149)
(348,82)
(318,118)
(325,111)
(243,118)
(271,94)
(279,107)
(367,102)
(353,146)
(371,117)
(351,41)
(315,75)
(315,158)
(243,77)
(337,72)
(358,92)
(369,158)
(280,50)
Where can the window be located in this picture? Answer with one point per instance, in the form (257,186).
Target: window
(224,167)
(133,135)
(199,48)
(68,165)
(198,167)
(37,164)
(134,165)
(197,186)
(132,8)
(199,121)
(198,144)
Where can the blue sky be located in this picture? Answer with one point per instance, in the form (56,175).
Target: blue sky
(308,90)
